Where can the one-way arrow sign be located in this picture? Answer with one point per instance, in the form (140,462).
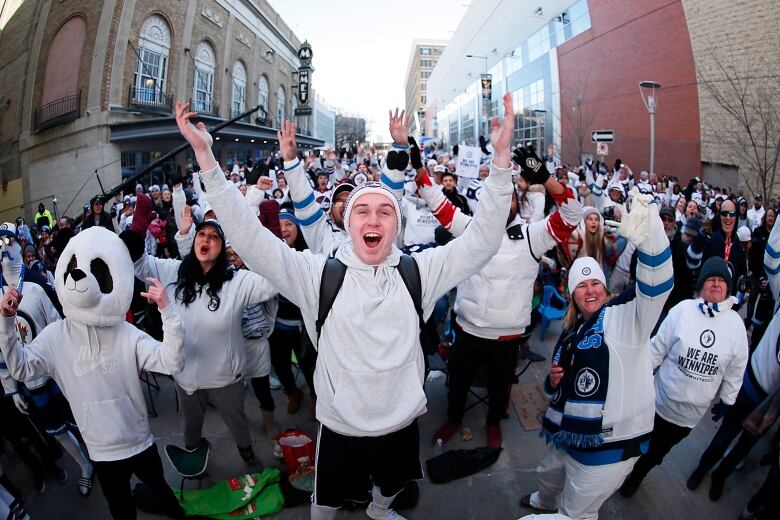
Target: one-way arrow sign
(602,136)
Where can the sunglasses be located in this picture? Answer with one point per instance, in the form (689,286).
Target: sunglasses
(725,213)
(7,240)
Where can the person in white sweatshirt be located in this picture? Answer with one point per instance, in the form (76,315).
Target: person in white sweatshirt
(600,383)
(94,355)
(370,369)
(39,398)
(211,299)
(702,351)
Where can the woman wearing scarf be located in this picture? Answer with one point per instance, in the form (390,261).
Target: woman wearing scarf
(601,381)
(702,351)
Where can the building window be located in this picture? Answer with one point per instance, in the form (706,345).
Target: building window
(425,74)
(203,88)
(239,88)
(425,63)
(438,52)
(539,43)
(262,92)
(423,86)
(152,62)
(528,102)
(425,51)
(580,17)
(422,99)
(280,101)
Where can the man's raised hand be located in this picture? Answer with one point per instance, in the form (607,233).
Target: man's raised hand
(264,183)
(287,144)
(399,125)
(196,135)
(502,135)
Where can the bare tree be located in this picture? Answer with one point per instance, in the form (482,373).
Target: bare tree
(350,131)
(747,125)
(578,115)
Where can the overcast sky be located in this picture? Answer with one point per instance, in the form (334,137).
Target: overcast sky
(361,48)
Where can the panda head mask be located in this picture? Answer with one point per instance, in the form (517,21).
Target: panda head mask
(94,278)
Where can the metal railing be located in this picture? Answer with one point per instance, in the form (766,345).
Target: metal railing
(206,108)
(59,111)
(235,113)
(149,100)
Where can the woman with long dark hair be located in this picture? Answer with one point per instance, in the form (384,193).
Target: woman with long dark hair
(211,299)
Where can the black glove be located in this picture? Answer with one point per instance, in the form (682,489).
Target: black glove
(532,169)
(134,242)
(483,145)
(455,150)
(174,177)
(414,154)
(719,410)
(397,160)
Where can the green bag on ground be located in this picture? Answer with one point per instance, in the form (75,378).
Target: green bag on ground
(237,498)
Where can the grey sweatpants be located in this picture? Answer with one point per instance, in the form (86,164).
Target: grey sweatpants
(229,403)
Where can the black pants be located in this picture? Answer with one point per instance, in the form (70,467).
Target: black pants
(262,389)
(35,448)
(469,353)
(115,476)
(730,428)
(283,342)
(665,436)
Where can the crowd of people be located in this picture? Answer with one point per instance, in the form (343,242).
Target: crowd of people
(363,264)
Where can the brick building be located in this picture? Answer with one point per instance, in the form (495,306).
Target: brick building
(88,87)
(422,60)
(574,66)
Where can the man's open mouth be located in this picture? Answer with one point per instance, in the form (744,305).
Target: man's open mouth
(372,239)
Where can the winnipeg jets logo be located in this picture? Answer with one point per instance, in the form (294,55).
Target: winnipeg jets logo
(707,338)
(586,271)
(213,303)
(587,382)
(533,164)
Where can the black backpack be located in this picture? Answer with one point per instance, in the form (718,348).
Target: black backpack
(333,277)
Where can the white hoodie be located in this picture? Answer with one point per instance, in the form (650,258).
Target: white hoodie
(370,370)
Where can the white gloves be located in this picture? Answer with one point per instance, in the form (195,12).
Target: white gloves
(634,225)
(21,404)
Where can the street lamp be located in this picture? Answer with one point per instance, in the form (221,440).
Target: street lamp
(485,101)
(647,89)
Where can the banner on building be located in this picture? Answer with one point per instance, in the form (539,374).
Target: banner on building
(468,161)
(487,87)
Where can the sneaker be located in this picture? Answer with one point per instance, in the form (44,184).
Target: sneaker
(274,383)
(695,479)
(445,433)
(294,399)
(526,502)
(494,438)
(382,514)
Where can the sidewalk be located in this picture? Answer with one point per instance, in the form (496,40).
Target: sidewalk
(491,494)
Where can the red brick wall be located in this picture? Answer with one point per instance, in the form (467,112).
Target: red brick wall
(629,42)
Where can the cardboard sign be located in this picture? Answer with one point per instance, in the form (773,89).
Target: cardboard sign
(468,161)
(529,403)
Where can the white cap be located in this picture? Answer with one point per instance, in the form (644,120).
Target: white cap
(585,268)
(743,234)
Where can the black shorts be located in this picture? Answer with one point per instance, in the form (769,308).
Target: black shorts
(49,409)
(348,466)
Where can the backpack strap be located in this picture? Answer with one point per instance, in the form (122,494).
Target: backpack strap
(410,274)
(330,284)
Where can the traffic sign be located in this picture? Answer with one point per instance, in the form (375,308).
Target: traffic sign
(602,149)
(303,111)
(602,136)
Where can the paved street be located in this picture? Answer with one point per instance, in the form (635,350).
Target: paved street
(493,493)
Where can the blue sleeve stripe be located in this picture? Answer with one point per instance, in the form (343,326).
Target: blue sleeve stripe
(771,252)
(770,271)
(297,163)
(652,291)
(390,183)
(654,260)
(312,219)
(305,202)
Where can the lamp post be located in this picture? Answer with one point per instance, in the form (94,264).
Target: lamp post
(485,101)
(647,89)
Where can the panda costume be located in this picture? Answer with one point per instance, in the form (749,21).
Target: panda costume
(95,356)
(40,398)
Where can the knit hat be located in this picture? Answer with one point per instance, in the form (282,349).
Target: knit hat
(365,189)
(269,216)
(29,248)
(289,214)
(585,268)
(667,211)
(215,224)
(714,266)
(431,162)
(589,210)
(743,234)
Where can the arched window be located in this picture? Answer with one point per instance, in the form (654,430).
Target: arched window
(280,101)
(151,70)
(239,88)
(60,100)
(203,87)
(262,92)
